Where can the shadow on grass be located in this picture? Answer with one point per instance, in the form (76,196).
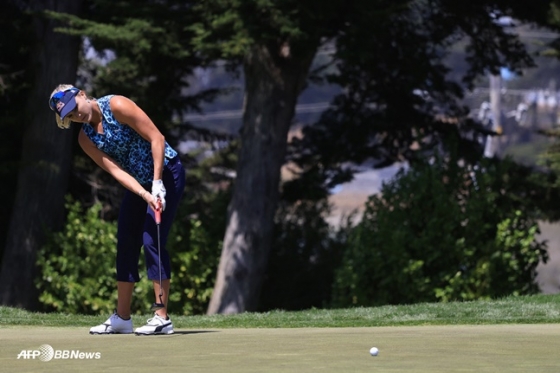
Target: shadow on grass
(178,333)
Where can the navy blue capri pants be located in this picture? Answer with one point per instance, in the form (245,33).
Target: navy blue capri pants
(137,228)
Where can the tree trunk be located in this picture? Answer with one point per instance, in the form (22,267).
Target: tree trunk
(273,82)
(45,158)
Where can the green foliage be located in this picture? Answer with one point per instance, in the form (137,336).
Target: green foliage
(78,273)
(194,261)
(444,232)
(229,28)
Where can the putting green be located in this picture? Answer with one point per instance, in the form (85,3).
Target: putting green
(434,349)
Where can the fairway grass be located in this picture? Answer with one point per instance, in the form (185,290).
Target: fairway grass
(434,349)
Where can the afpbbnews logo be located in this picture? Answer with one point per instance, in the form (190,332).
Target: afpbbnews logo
(47,353)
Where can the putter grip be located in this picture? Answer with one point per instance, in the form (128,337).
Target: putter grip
(157,212)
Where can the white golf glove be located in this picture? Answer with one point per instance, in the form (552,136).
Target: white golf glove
(158,191)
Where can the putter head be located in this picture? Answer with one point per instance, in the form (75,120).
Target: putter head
(157,306)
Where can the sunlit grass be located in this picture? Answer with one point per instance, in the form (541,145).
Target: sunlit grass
(529,309)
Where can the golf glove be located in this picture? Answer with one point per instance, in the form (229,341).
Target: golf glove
(158,191)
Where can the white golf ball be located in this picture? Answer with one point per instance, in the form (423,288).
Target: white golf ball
(373,351)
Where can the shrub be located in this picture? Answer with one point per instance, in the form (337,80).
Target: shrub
(77,270)
(442,232)
(77,265)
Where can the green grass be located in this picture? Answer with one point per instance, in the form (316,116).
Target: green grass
(537,309)
(420,338)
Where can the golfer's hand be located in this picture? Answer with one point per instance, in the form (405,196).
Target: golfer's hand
(158,192)
(153,202)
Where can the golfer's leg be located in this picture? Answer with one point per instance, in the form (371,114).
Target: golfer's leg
(165,296)
(129,242)
(153,257)
(174,179)
(124,290)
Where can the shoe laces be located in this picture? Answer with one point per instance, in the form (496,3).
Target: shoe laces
(116,316)
(156,320)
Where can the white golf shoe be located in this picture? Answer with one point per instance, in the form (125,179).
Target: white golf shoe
(156,325)
(113,325)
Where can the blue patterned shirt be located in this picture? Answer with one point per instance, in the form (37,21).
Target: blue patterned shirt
(130,150)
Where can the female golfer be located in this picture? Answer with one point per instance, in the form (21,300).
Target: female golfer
(123,141)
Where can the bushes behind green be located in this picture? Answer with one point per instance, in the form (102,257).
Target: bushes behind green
(442,232)
(77,266)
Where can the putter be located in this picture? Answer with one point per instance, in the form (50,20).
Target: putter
(157,214)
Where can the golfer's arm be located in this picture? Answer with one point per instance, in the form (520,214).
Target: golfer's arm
(109,165)
(126,111)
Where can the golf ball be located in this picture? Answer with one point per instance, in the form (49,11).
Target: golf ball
(373,351)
